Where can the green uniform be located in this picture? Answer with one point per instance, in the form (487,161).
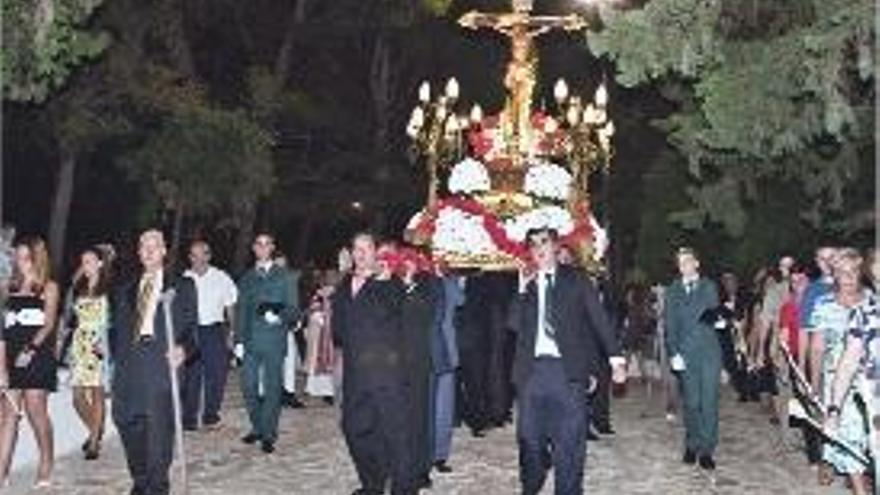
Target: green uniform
(264,291)
(690,333)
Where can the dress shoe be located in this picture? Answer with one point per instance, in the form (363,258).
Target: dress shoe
(478,433)
(267,446)
(442,467)
(251,438)
(690,457)
(707,463)
(605,430)
(190,427)
(425,482)
(364,491)
(591,435)
(292,401)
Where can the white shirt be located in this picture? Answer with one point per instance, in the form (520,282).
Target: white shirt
(149,317)
(215,291)
(544,345)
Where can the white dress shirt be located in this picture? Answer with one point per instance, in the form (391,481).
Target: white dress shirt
(149,317)
(215,292)
(544,345)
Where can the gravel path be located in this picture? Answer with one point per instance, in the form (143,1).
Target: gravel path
(643,458)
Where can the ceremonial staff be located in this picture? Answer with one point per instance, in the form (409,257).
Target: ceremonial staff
(167,299)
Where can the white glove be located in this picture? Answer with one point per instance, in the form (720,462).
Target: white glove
(677,363)
(271,318)
(238,351)
(720,324)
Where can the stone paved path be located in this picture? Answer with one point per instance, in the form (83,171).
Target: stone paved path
(311,459)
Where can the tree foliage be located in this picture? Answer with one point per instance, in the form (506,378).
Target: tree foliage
(764,90)
(43,42)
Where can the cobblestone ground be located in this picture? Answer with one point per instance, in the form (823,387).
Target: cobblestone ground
(643,458)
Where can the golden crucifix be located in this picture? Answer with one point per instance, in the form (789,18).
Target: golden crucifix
(522,28)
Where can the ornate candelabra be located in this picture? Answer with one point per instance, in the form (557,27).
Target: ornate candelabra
(437,131)
(588,131)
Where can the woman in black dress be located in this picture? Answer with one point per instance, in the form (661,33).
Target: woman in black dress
(27,358)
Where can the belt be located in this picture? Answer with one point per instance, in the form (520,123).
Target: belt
(547,357)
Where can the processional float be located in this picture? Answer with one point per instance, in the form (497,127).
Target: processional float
(491,178)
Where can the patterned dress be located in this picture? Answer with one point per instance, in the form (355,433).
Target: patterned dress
(89,347)
(864,324)
(833,320)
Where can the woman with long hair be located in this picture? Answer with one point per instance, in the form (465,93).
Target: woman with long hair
(89,325)
(27,370)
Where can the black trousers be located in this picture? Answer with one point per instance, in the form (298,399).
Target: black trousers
(474,387)
(419,425)
(208,370)
(375,426)
(148,441)
(551,412)
(601,403)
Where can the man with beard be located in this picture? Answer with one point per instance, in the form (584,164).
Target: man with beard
(367,327)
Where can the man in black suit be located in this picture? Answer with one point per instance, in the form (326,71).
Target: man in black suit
(367,326)
(559,322)
(143,358)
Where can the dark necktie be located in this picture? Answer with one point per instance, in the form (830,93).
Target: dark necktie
(549,331)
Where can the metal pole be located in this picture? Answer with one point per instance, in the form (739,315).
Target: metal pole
(175,391)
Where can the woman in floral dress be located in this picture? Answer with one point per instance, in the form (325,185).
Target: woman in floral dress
(859,367)
(832,316)
(88,351)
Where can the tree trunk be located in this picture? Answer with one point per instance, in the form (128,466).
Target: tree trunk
(246,217)
(61,208)
(305,236)
(176,234)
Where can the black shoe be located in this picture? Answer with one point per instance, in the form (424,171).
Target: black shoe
(442,467)
(690,457)
(190,427)
(591,435)
(707,463)
(91,455)
(364,491)
(267,446)
(292,401)
(478,433)
(328,401)
(605,430)
(251,438)
(425,482)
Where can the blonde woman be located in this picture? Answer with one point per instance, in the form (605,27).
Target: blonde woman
(27,374)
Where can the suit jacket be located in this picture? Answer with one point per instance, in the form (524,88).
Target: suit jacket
(583,333)
(369,329)
(688,318)
(141,378)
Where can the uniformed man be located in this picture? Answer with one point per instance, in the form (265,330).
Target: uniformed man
(264,313)
(696,355)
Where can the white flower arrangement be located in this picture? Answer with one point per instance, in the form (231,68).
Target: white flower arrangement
(469,176)
(457,231)
(547,180)
(554,217)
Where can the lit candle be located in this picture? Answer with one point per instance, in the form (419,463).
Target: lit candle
(425,92)
(560,90)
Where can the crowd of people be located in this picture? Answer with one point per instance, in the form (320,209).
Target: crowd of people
(799,340)
(405,350)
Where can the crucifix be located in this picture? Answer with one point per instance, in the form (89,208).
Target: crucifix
(522,28)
